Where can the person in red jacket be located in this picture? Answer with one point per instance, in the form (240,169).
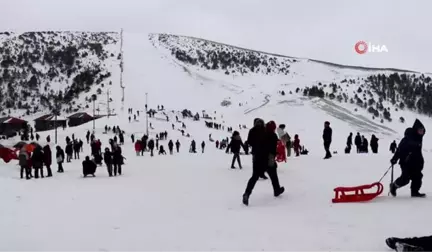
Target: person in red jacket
(138,147)
(296,145)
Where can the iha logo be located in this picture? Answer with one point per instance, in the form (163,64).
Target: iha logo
(361,47)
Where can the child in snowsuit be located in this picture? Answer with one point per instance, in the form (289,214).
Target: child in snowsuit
(296,145)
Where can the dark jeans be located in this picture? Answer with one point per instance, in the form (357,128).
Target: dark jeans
(117,168)
(27,172)
(49,170)
(424,242)
(236,156)
(76,155)
(259,166)
(327,149)
(410,174)
(60,167)
(110,169)
(37,170)
(68,158)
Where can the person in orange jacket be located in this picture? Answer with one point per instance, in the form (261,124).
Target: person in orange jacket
(296,145)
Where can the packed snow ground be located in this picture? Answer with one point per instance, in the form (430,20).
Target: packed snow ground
(193,201)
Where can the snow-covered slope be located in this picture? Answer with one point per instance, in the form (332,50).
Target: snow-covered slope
(39,67)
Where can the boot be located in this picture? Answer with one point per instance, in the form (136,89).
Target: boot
(403,247)
(418,195)
(281,190)
(246,199)
(393,188)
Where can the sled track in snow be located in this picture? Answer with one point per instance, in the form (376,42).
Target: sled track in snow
(267,100)
(360,122)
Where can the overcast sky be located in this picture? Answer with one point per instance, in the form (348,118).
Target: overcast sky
(319,29)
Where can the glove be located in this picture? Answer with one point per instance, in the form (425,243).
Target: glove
(393,161)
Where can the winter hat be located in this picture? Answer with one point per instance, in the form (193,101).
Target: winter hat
(258,122)
(327,123)
(271,126)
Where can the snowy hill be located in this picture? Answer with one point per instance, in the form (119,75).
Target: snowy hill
(38,68)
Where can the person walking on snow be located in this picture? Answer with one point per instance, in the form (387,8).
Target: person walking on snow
(358,142)
(177,144)
(264,143)
(235,145)
(410,156)
(108,159)
(349,143)
(296,145)
(374,144)
(151,145)
(327,138)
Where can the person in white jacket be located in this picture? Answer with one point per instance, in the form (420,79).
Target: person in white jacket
(284,137)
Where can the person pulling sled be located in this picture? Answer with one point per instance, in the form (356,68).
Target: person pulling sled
(410,157)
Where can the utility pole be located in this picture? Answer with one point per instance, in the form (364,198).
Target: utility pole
(146,111)
(94,119)
(55,120)
(121,68)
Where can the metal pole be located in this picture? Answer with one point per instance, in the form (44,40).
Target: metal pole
(55,120)
(146,111)
(94,116)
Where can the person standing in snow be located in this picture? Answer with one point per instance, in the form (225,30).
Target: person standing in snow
(192,148)
(358,142)
(88,136)
(48,159)
(24,162)
(410,156)
(235,146)
(202,146)
(177,146)
(374,144)
(60,155)
(121,138)
(138,147)
(133,138)
(349,143)
(364,145)
(37,162)
(296,145)
(117,161)
(170,146)
(69,152)
(264,144)
(108,159)
(327,138)
(393,147)
(151,145)
(76,149)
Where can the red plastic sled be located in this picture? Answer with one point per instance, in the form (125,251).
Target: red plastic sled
(357,193)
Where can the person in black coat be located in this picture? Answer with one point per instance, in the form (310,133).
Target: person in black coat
(89,167)
(48,159)
(69,152)
(264,146)
(37,161)
(76,149)
(108,159)
(177,144)
(327,138)
(60,156)
(364,145)
(151,145)
(393,147)
(410,156)
(235,145)
(202,146)
(117,161)
(358,142)
(374,144)
(170,146)
(349,143)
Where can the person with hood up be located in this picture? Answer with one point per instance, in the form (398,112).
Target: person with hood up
(48,159)
(177,144)
(364,145)
(296,145)
(108,159)
(89,167)
(393,147)
(410,156)
(60,155)
(235,145)
(37,161)
(202,146)
(69,152)
(374,144)
(263,140)
(327,138)
(358,142)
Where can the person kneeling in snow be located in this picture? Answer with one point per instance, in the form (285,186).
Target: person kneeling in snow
(162,150)
(89,167)
(410,244)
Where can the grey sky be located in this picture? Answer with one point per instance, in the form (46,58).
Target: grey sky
(324,30)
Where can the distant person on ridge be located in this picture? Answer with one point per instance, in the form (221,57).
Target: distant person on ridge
(327,138)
